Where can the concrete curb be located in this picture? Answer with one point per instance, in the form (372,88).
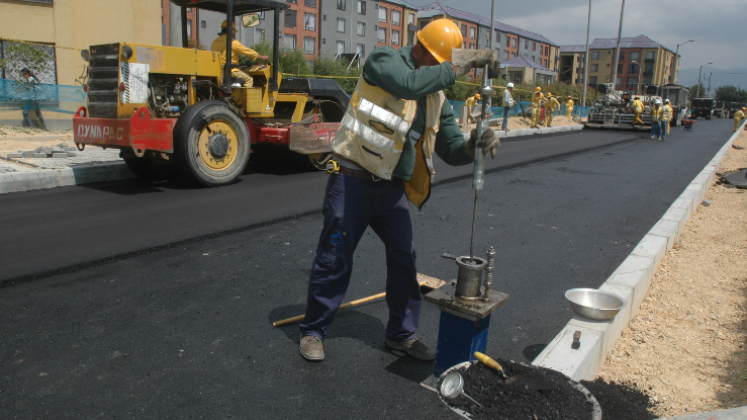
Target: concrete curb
(52,178)
(631,281)
(541,130)
(732,414)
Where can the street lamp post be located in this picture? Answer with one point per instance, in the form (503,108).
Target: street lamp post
(638,85)
(699,72)
(677,59)
(617,50)
(586,58)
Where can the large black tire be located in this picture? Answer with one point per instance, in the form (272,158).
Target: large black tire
(207,154)
(152,169)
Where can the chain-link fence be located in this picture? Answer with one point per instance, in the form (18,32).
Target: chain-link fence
(39,105)
(40,59)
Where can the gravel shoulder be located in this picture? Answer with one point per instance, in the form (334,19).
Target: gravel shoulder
(686,346)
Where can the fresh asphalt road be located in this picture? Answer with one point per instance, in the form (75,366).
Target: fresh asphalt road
(183,330)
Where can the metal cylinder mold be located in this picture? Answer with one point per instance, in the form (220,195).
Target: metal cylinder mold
(469,278)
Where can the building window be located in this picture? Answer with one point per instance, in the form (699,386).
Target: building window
(632,81)
(189,29)
(513,55)
(649,68)
(497,37)
(382,14)
(526,45)
(382,35)
(309,21)
(594,67)
(508,41)
(513,42)
(308,45)
(341,4)
(534,58)
(289,41)
(464,45)
(290,18)
(341,25)
(410,19)
(360,49)
(395,17)
(545,62)
(632,68)
(471,33)
(646,80)
(259,35)
(618,81)
(534,46)
(620,68)
(471,46)
(203,24)
(395,37)
(309,3)
(361,29)
(464,31)
(622,56)
(340,47)
(361,7)
(593,80)
(595,55)
(634,56)
(507,56)
(292,1)
(650,55)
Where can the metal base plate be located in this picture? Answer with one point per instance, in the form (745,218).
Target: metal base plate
(472,310)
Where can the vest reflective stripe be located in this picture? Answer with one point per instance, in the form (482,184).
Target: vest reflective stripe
(374,129)
(666,113)
(637,106)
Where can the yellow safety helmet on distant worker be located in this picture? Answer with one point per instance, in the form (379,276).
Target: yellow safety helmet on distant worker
(477,96)
(225,23)
(538,89)
(439,37)
(549,94)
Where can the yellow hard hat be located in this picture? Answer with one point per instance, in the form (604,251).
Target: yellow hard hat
(225,23)
(538,89)
(477,96)
(549,94)
(439,37)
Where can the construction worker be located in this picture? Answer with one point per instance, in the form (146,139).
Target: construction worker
(470,103)
(656,113)
(666,117)
(551,104)
(637,111)
(508,103)
(382,158)
(537,99)
(237,48)
(738,117)
(569,107)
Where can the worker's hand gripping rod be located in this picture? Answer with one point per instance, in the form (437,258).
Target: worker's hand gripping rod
(478,174)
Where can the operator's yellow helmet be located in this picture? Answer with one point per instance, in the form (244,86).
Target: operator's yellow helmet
(225,23)
(439,37)
(538,89)
(477,96)
(549,94)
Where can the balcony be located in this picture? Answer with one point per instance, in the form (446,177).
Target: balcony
(649,60)
(648,73)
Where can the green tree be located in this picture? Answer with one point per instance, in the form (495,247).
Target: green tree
(291,61)
(731,93)
(460,91)
(347,79)
(694,91)
(20,55)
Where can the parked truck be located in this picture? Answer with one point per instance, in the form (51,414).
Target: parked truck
(178,112)
(678,96)
(718,109)
(734,107)
(702,107)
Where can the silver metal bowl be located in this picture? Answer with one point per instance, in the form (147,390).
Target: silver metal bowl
(595,304)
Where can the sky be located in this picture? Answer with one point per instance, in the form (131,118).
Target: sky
(715,25)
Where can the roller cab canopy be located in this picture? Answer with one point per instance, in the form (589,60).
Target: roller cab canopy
(240,7)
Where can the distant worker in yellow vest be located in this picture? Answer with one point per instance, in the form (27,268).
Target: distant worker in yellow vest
(551,104)
(237,48)
(537,98)
(666,117)
(470,103)
(738,117)
(656,113)
(569,107)
(637,111)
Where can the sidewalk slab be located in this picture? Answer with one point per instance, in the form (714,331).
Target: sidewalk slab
(739,413)
(542,130)
(631,281)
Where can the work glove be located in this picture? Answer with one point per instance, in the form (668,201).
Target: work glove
(466,60)
(487,141)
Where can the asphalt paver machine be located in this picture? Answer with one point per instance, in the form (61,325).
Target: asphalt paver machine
(615,109)
(177,112)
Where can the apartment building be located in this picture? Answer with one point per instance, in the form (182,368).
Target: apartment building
(571,64)
(642,62)
(64,27)
(510,41)
(397,24)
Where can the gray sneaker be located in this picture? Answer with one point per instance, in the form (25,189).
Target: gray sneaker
(311,348)
(414,348)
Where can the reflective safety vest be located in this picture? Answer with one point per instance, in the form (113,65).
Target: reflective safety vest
(666,114)
(637,106)
(374,130)
(507,95)
(656,114)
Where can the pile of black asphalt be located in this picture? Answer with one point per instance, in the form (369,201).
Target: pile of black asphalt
(135,300)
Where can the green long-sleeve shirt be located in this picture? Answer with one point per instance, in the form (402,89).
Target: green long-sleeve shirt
(394,71)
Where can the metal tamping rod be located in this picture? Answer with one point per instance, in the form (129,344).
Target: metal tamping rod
(489,274)
(478,173)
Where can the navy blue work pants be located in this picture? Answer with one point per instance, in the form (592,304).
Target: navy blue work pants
(505,118)
(351,204)
(656,129)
